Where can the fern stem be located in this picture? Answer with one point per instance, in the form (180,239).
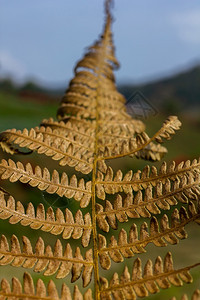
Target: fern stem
(105,43)
(47,257)
(22,296)
(94,230)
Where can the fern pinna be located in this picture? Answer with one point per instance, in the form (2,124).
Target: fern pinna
(94,128)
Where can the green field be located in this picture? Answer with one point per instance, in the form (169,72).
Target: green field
(16,112)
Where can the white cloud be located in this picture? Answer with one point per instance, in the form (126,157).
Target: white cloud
(187,25)
(9,65)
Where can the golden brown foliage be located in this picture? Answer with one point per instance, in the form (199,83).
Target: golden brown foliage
(93,127)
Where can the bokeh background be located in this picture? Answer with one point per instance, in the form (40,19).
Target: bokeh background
(158,46)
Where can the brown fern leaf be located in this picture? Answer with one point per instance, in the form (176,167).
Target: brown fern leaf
(161,275)
(111,184)
(93,126)
(195,296)
(128,245)
(85,128)
(109,217)
(142,141)
(154,199)
(75,129)
(44,259)
(29,291)
(71,147)
(75,227)
(113,133)
(46,182)
(152,152)
(168,129)
(51,143)
(141,146)
(131,147)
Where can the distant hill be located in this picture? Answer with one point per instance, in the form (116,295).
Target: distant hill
(31,91)
(178,93)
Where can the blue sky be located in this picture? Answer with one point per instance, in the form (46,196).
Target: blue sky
(43,39)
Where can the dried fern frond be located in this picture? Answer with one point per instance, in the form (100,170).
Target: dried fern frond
(94,127)
(69,226)
(45,259)
(40,291)
(161,275)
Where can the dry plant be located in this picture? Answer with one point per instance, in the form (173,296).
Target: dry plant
(93,128)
